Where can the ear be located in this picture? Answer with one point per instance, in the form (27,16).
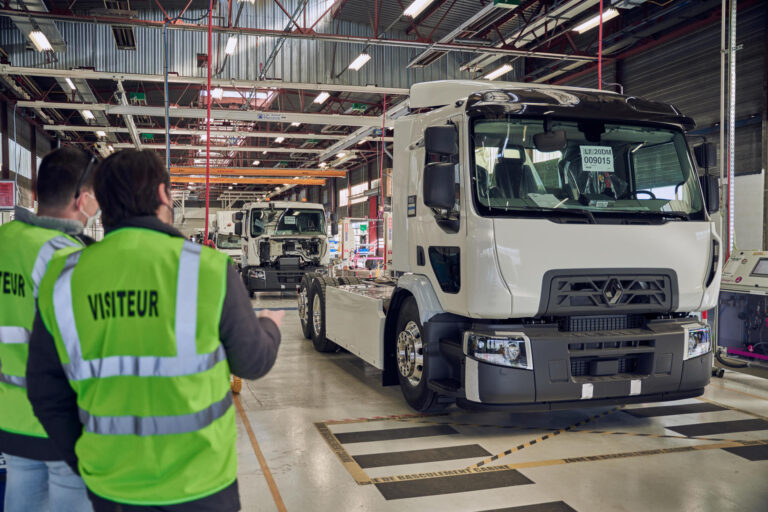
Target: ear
(163,195)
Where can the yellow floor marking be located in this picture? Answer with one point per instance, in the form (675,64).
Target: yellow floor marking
(542,438)
(571,460)
(262,461)
(352,467)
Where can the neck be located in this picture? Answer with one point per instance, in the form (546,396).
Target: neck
(50,220)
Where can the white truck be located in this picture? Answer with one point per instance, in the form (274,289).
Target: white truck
(281,241)
(224,236)
(551,246)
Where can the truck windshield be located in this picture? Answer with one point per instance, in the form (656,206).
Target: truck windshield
(604,168)
(287,221)
(228,241)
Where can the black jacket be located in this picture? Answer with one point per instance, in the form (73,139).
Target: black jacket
(250,343)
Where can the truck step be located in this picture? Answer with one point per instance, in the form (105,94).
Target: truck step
(450,387)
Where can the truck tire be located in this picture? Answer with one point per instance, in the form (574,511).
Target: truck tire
(410,354)
(351,280)
(317,314)
(304,309)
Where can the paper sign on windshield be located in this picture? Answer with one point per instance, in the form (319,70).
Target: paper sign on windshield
(289,219)
(596,158)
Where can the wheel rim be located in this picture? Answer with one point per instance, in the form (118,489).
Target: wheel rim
(317,321)
(410,354)
(303,313)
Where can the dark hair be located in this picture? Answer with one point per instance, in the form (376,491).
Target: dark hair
(59,174)
(126,185)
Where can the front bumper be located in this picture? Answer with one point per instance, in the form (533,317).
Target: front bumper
(649,361)
(265,280)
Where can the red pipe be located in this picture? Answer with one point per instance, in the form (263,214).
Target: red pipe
(208,122)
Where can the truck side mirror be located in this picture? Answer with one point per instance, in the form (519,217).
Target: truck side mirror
(334,228)
(549,142)
(239,228)
(710,185)
(438,187)
(442,140)
(238,215)
(706,155)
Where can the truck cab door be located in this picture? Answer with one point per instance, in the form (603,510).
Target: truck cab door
(441,227)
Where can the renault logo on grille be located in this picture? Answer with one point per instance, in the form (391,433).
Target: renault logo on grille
(612,291)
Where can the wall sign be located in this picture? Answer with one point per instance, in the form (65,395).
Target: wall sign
(7,195)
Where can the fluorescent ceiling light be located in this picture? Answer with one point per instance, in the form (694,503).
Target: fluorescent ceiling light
(256,162)
(416,7)
(341,155)
(217,93)
(70,83)
(591,23)
(101,133)
(231,45)
(360,61)
(323,165)
(278,140)
(503,70)
(263,152)
(322,97)
(40,42)
(230,187)
(112,149)
(295,124)
(87,115)
(361,141)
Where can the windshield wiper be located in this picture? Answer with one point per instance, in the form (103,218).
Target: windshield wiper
(551,212)
(664,215)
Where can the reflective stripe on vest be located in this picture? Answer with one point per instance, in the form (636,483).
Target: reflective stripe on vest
(12,334)
(13,380)
(44,256)
(185,362)
(156,425)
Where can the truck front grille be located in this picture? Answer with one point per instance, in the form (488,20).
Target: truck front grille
(601,323)
(620,291)
(626,365)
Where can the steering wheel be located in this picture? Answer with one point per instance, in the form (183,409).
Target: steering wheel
(653,196)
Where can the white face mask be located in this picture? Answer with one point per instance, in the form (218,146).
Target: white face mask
(91,219)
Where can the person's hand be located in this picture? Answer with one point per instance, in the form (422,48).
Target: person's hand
(275,316)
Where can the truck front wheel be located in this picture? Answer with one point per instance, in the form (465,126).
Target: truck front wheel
(412,361)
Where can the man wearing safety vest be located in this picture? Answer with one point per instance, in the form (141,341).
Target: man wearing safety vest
(133,349)
(38,479)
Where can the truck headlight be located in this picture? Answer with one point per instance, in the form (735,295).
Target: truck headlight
(505,349)
(698,341)
(257,274)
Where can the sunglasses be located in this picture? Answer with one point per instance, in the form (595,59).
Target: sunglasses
(85,175)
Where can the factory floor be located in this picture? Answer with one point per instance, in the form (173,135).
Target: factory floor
(322,434)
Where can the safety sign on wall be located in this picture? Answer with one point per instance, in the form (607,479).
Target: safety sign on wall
(7,195)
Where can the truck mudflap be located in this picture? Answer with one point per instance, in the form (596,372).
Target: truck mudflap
(593,368)
(269,279)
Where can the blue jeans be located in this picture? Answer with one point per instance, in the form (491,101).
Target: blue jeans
(36,486)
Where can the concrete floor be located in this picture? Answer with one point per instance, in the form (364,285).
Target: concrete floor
(636,461)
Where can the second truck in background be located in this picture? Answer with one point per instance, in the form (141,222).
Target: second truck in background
(281,241)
